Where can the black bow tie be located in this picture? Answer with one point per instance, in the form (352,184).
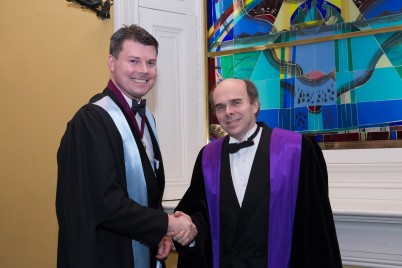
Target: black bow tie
(235,147)
(139,107)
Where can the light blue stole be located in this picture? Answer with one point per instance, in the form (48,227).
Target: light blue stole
(136,185)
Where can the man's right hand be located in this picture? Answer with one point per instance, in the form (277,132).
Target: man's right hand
(181,228)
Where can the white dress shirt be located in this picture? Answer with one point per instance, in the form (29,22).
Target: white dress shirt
(241,162)
(146,139)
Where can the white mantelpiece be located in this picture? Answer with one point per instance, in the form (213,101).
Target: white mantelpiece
(366,198)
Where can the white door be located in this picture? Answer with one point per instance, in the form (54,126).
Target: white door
(176,6)
(177,101)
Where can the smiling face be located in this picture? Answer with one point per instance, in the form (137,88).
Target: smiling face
(134,71)
(233,108)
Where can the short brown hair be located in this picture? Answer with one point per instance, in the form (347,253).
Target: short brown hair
(134,33)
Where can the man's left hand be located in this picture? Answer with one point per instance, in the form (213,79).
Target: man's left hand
(164,248)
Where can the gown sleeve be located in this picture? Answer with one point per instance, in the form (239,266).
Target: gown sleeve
(91,189)
(315,242)
(194,203)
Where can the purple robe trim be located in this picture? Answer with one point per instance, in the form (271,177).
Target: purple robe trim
(285,157)
(211,169)
(284,179)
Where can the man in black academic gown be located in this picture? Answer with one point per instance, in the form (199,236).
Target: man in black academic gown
(259,196)
(110,170)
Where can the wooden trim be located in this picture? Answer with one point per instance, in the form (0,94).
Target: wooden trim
(361,144)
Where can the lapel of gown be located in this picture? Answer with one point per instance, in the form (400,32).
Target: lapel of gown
(229,194)
(258,184)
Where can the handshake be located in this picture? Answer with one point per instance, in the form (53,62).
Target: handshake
(181,228)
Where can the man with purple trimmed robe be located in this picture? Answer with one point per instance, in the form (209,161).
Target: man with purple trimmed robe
(259,196)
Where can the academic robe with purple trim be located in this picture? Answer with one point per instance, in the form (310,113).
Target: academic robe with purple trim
(244,231)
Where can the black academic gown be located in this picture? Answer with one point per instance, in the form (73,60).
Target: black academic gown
(97,220)
(244,230)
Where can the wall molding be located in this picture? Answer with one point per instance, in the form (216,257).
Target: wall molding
(125,13)
(370,240)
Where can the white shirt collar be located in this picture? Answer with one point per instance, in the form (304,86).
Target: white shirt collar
(248,134)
